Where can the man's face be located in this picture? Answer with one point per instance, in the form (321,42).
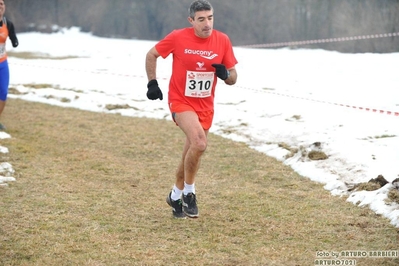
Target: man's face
(2,7)
(202,23)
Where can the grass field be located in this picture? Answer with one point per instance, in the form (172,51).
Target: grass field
(91,190)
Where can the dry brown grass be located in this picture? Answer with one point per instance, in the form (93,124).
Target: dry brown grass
(91,190)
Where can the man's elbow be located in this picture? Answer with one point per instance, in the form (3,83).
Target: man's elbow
(232,79)
(230,82)
(153,53)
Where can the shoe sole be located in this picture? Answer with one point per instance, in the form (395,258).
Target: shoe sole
(193,216)
(168,201)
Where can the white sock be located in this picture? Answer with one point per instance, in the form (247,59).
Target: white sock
(188,188)
(176,193)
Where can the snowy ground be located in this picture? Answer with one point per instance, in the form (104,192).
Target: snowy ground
(344,105)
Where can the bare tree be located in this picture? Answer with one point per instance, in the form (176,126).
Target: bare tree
(246,22)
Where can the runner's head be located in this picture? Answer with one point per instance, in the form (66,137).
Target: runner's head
(201,18)
(2,8)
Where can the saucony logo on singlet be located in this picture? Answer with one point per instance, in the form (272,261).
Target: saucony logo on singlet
(205,54)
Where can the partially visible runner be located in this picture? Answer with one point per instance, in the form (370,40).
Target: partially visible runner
(6,30)
(200,56)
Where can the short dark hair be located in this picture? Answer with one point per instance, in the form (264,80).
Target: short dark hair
(199,5)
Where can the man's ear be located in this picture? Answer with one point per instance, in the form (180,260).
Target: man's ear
(190,20)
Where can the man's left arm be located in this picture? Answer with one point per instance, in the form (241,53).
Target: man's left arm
(229,76)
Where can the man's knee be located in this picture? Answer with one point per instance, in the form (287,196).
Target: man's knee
(199,144)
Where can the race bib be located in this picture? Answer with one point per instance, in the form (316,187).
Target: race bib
(2,50)
(199,84)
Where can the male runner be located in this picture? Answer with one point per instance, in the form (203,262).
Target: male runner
(6,30)
(200,56)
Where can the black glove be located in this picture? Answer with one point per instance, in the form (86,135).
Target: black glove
(221,71)
(154,92)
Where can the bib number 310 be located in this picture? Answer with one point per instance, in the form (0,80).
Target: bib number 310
(199,84)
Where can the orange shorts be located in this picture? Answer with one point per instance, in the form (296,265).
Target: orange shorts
(205,117)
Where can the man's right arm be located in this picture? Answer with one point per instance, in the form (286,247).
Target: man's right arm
(151,63)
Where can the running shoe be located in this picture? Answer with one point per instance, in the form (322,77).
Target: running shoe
(2,127)
(190,205)
(176,205)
